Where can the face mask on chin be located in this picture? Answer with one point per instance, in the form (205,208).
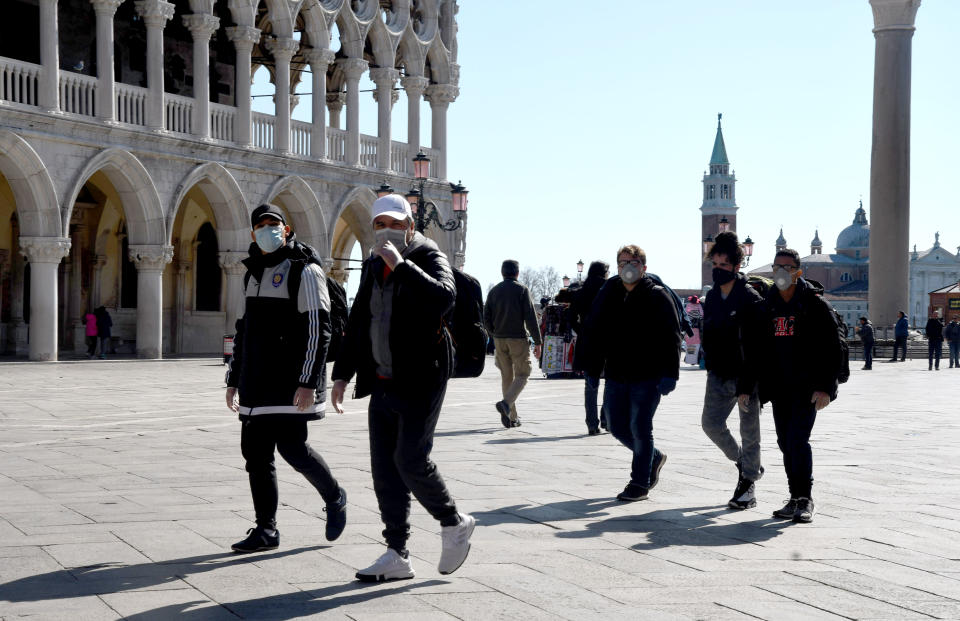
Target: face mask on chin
(722,276)
(269,238)
(397,237)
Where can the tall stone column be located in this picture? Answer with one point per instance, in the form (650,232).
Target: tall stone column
(17,329)
(155,14)
(352,69)
(319,61)
(414,86)
(440,97)
(335,102)
(201,26)
(243,37)
(283,50)
(44,255)
(150,262)
(385,79)
(106,101)
(231,264)
(179,303)
(890,159)
(49,95)
(4,255)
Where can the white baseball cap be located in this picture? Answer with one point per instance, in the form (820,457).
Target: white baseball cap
(393,205)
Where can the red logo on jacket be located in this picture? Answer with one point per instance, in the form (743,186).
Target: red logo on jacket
(783,326)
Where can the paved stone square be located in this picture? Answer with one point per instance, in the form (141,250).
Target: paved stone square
(122,487)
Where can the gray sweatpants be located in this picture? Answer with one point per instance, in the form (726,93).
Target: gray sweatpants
(718,403)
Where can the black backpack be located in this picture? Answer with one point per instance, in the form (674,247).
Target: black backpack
(466,326)
(686,325)
(841,351)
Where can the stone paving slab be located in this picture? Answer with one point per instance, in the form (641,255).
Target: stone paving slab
(122,487)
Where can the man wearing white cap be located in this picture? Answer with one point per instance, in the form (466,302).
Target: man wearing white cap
(398,348)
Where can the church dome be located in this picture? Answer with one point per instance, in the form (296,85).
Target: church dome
(857,235)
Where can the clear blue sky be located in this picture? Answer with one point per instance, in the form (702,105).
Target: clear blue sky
(584,126)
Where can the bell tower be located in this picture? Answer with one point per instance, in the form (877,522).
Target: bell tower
(719,206)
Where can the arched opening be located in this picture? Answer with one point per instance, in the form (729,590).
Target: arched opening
(209,281)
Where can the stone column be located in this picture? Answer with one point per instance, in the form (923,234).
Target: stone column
(179,301)
(95,298)
(243,38)
(234,302)
(335,103)
(352,69)
(283,50)
(106,101)
(385,96)
(890,159)
(319,61)
(44,255)
(17,329)
(155,14)
(440,97)
(150,262)
(49,95)
(4,255)
(414,87)
(201,26)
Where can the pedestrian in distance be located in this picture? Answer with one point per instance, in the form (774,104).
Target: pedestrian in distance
(731,329)
(398,348)
(865,329)
(934,330)
(90,330)
(952,333)
(276,380)
(800,376)
(104,329)
(597,275)
(901,330)
(511,319)
(632,336)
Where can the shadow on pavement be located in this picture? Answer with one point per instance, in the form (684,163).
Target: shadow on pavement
(526,439)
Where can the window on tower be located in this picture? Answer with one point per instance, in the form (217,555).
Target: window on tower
(724,191)
(713,191)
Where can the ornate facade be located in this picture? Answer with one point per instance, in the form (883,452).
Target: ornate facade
(130,158)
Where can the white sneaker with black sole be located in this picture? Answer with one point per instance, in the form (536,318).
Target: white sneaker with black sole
(390,566)
(456,544)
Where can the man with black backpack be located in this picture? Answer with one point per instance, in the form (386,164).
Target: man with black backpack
(278,370)
(806,360)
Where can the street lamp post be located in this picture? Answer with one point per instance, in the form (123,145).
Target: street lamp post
(426,212)
(566,281)
(579,269)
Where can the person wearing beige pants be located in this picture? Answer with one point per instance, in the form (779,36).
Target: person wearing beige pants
(513,360)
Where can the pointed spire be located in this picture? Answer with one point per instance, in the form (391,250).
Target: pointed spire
(719,155)
(781,241)
(816,238)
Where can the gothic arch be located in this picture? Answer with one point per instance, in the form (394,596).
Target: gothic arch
(226,199)
(439,63)
(351,38)
(411,53)
(32,187)
(138,195)
(304,209)
(354,210)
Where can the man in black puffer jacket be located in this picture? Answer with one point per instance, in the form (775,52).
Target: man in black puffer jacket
(278,369)
(399,349)
(582,301)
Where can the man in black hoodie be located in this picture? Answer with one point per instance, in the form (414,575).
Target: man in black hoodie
(632,336)
(582,301)
(934,331)
(731,317)
(800,375)
(399,349)
(278,369)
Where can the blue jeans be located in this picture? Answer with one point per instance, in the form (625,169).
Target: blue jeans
(868,354)
(955,353)
(629,408)
(934,351)
(900,342)
(591,386)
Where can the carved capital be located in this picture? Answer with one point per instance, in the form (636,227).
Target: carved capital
(282,48)
(201,25)
(151,258)
(352,68)
(894,14)
(415,86)
(336,101)
(155,13)
(319,59)
(384,77)
(444,94)
(243,37)
(44,249)
(230,261)
(105,7)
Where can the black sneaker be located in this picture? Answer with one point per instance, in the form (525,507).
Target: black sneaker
(593,431)
(257,541)
(504,408)
(744,496)
(788,510)
(655,471)
(632,493)
(805,511)
(336,516)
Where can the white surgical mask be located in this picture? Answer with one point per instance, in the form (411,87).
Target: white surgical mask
(397,238)
(269,238)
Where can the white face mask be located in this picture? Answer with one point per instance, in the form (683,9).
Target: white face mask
(397,238)
(783,281)
(269,238)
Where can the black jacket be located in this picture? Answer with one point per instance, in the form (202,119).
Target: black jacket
(631,336)
(866,333)
(934,329)
(797,339)
(730,334)
(951,332)
(423,294)
(282,338)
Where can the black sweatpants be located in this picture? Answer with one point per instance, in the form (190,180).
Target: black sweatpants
(401,425)
(793,418)
(257,441)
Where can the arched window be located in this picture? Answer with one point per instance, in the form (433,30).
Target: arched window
(725,191)
(208,271)
(846,277)
(713,191)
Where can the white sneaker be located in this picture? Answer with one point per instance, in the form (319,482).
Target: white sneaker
(390,566)
(456,544)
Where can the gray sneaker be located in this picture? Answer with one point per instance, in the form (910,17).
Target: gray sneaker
(788,510)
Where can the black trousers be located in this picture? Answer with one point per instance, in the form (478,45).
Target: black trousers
(793,418)
(257,441)
(402,422)
(900,342)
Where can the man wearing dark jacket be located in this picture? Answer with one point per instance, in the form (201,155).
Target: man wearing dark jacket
(278,369)
(952,333)
(582,301)
(398,348)
(800,375)
(632,337)
(866,338)
(900,333)
(934,330)
(511,319)
(731,317)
